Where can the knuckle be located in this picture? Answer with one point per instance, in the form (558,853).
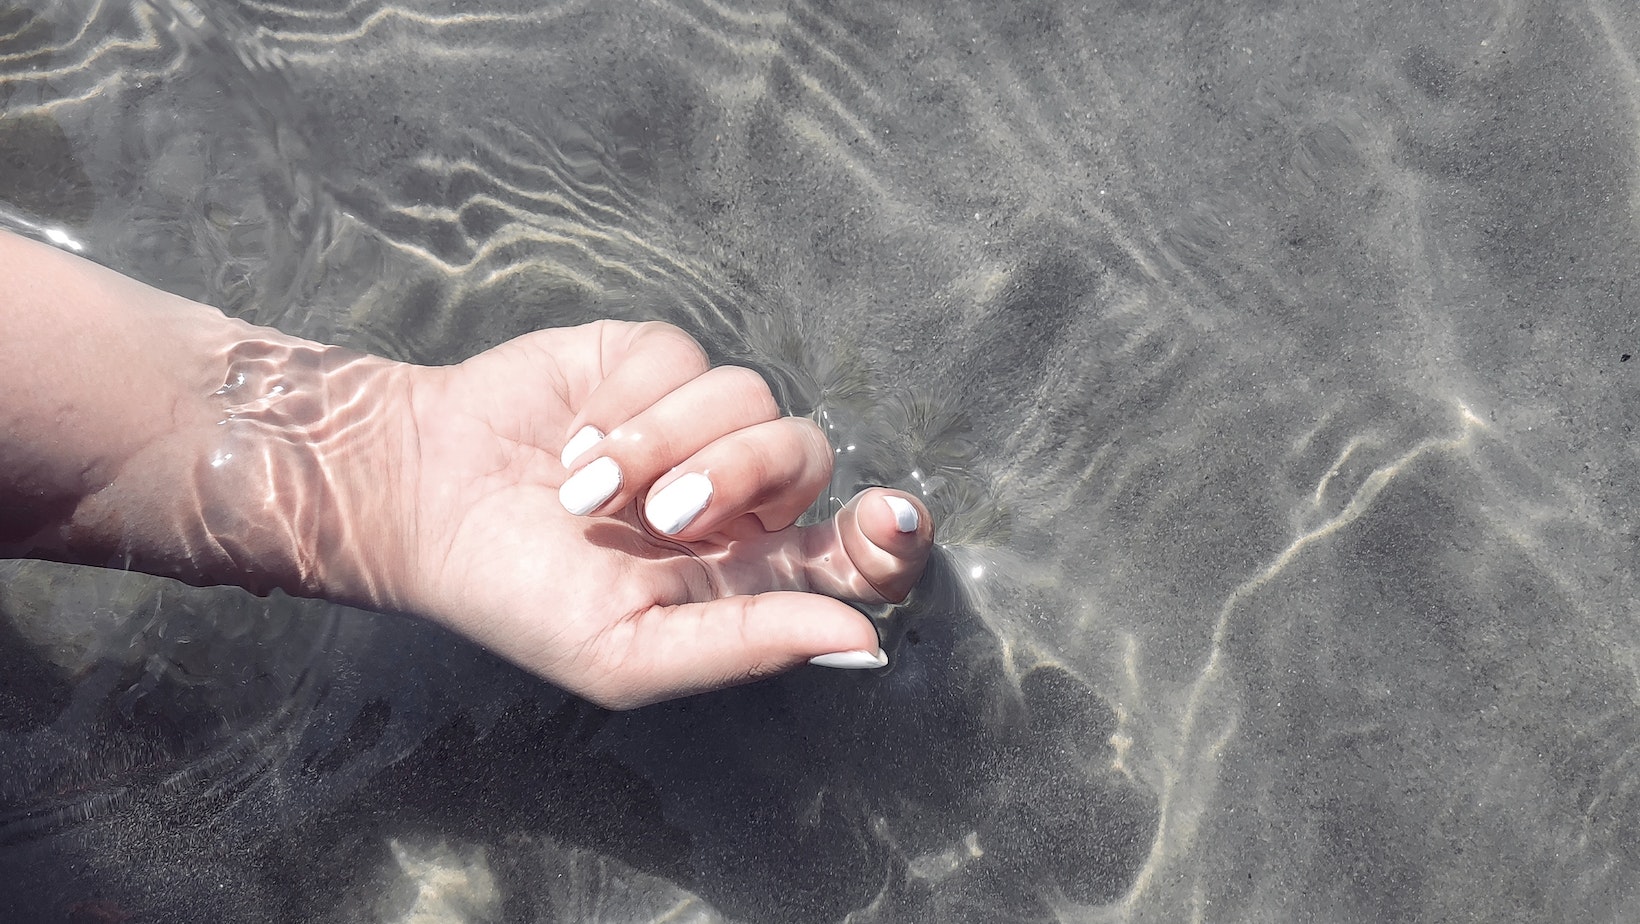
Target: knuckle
(750,389)
(802,455)
(680,348)
(614,699)
(643,451)
(609,686)
(811,435)
(763,669)
(610,327)
(761,466)
(790,466)
(820,453)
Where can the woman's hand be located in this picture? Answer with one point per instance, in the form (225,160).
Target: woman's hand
(144,431)
(660,558)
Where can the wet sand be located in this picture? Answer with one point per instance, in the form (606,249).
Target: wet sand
(1267,366)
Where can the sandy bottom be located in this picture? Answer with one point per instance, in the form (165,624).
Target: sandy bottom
(1266,365)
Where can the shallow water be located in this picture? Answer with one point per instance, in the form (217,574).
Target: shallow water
(1266,366)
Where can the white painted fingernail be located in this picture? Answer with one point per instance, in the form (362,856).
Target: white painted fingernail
(583,440)
(905,515)
(679,503)
(851,660)
(590,486)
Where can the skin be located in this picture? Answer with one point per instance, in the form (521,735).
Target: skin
(141,430)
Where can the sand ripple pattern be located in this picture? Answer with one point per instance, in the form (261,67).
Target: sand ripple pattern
(1266,367)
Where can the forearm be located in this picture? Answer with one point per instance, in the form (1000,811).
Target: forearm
(144,431)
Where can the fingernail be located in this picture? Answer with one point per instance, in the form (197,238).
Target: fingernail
(851,660)
(679,503)
(590,486)
(583,440)
(905,515)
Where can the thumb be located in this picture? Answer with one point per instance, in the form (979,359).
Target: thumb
(695,647)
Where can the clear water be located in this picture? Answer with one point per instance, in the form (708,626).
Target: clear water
(1265,364)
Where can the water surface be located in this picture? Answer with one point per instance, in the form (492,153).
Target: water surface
(1267,366)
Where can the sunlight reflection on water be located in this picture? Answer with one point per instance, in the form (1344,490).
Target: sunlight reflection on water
(1260,368)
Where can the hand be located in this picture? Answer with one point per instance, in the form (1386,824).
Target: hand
(680,569)
(150,432)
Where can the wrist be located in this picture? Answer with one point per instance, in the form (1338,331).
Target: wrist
(279,471)
(145,431)
(299,473)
